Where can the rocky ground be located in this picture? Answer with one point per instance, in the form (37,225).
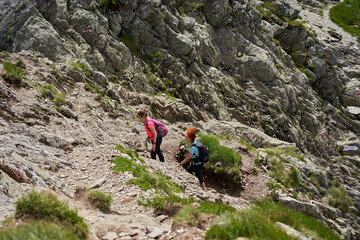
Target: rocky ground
(43,148)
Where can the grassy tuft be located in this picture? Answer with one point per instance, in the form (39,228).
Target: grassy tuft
(81,67)
(60,99)
(229,159)
(258,221)
(38,231)
(346,15)
(47,206)
(14,72)
(144,179)
(339,198)
(291,151)
(188,214)
(101,200)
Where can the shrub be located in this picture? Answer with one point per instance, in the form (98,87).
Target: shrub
(101,200)
(339,198)
(229,159)
(38,231)
(13,72)
(47,206)
(258,221)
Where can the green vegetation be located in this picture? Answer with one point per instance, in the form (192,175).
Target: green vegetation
(346,15)
(240,140)
(101,200)
(339,198)
(321,12)
(14,72)
(229,159)
(59,97)
(6,53)
(180,9)
(38,231)
(81,67)
(288,179)
(47,207)
(111,4)
(199,6)
(144,179)
(258,222)
(291,151)
(129,42)
(161,202)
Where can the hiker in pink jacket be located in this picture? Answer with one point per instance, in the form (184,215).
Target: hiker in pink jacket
(154,138)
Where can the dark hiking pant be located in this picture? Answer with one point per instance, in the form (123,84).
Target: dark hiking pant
(157,150)
(198,171)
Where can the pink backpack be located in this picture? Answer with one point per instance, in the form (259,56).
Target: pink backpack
(159,127)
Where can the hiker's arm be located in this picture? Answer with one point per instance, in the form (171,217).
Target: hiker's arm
(186,159)
(152,129)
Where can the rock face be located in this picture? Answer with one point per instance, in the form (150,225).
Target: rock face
(216,57)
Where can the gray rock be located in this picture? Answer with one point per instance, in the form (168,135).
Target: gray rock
(292,232)
(76,75)
(98,183)
(299,206)
(155,232)
(110,236)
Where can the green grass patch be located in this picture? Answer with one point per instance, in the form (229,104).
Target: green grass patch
(38,231)
(13,71)
(339,198)
(291,151)
(100,200)
(81,67)
(6,53)
(46,206)
(60,99)
(217,208)
(144,179)
(229,159)
(347,16)
(286,178)
(258,222)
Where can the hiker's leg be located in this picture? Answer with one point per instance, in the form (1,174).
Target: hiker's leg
(198,174)
(190,169)
(158,150)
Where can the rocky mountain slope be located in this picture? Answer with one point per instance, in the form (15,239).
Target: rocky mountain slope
(243,69)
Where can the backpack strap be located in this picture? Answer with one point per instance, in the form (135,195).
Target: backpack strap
(193,144)
(154,124)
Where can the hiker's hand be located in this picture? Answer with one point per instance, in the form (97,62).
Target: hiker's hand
(153,147)
(178,165)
